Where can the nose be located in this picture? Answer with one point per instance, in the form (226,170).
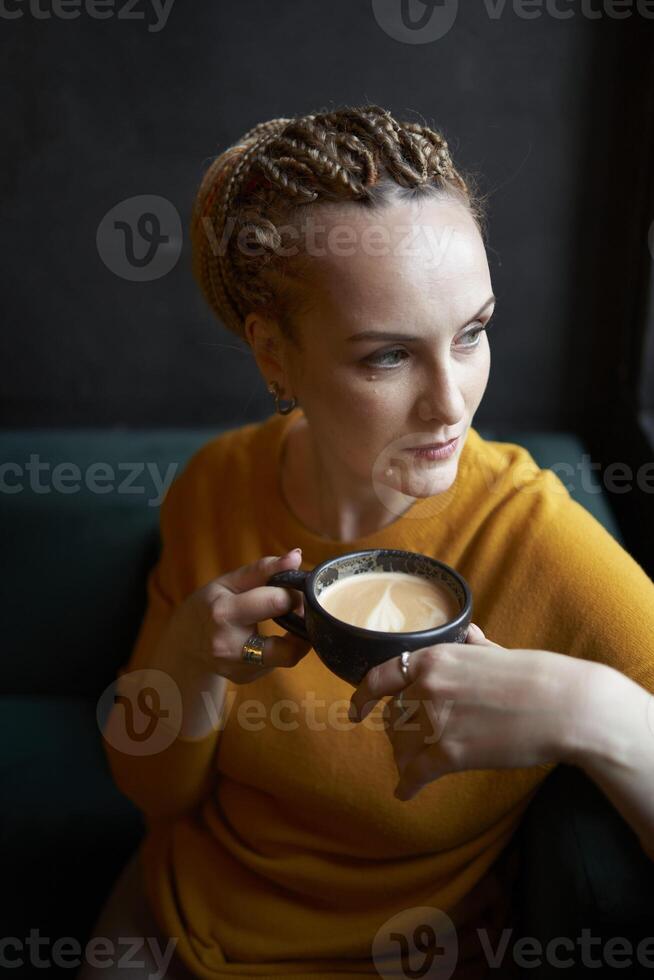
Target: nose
(442,399)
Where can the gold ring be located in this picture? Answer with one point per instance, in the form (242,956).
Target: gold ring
(252,651)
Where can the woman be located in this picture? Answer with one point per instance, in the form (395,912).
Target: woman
(347,250)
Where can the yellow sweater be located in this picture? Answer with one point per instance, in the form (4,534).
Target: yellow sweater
(275,846)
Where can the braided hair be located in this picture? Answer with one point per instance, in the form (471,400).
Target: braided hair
(259,190)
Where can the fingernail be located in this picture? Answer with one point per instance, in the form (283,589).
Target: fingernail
(353,712)
(289,554)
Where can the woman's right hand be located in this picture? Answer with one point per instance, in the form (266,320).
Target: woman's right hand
(214,622)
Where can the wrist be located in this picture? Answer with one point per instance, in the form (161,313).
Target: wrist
(597,733)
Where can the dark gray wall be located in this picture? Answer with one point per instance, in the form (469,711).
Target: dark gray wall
(98,111)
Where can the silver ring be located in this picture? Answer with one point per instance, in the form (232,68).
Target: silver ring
(404,665)
(252,650)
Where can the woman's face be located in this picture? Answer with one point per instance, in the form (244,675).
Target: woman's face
(418,273)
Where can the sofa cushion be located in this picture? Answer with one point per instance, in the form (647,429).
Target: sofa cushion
(65,829)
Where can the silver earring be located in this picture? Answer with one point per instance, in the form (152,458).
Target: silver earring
(274,390)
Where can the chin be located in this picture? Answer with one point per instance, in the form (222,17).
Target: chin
(427,479)
(442,482)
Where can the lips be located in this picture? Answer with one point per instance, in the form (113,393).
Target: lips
(436,445)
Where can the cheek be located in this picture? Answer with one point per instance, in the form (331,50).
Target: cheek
(380,405)
(366,393)
(473,378)
(482,374)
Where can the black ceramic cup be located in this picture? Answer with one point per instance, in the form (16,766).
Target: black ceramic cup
(350,651)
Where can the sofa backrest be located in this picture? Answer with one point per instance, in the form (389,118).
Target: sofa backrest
(78,538)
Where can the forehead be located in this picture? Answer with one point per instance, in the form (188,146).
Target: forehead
(378,262)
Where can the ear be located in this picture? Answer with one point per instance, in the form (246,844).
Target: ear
(262,336)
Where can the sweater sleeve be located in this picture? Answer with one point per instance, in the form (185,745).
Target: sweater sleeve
(163,773)
(601,599)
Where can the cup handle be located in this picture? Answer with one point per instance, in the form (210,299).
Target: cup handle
(292,578)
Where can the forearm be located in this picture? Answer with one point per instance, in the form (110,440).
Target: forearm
(612,740)
(161,734)
(195,711)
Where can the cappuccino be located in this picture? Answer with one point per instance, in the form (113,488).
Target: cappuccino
(390,602)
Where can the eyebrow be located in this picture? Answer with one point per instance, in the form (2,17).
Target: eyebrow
(386,335)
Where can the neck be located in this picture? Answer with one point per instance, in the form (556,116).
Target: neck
(327,499)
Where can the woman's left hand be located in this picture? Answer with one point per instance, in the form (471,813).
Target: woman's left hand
(477,705)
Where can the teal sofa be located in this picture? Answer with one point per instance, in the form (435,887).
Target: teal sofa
(79,532)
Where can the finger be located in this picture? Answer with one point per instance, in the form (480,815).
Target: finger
(476,635)
(258,572)
(284,651)
(408,727)
(385,678)
(277,651)
(417,773)
(255,606)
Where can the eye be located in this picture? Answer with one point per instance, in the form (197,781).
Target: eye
(381,360)
(476,336)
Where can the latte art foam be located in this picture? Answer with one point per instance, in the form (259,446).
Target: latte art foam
(390,602)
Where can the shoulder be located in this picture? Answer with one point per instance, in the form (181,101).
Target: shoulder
(595,586)
(509,485)
(211,471)
(584,591)
(558,529)
(200,515)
